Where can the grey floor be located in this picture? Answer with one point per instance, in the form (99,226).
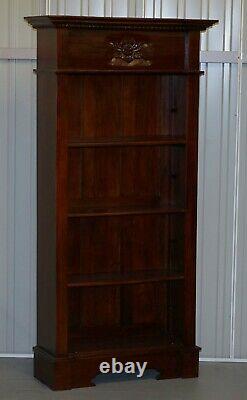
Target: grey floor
(218,381)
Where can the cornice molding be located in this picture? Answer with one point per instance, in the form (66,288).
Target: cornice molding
(100,23)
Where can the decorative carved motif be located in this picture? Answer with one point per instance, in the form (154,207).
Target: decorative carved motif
(129,53)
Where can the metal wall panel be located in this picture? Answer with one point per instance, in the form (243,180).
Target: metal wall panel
(221,307)
(18,206)
(240,304)
(18,181)
(217,145)
(6,259)
(240,322)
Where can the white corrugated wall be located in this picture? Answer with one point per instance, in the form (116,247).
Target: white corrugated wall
(240,306)
(222,276)
(17,177)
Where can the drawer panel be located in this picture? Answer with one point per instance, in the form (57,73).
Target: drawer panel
(104,50)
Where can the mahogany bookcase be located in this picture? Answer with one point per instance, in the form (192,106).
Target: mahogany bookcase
(117,195)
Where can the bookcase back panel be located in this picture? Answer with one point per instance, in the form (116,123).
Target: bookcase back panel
(94,307)
(145,304)
(94,245)
(99,245)
(129,176)
(121,309)
(130,313)
(177,305)
(98,106)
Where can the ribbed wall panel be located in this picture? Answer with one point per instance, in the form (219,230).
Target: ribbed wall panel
(25,207)
(18,182)
(18,206)
(217,166)
(240,345)
(5,261)
(217,144)
(240,306)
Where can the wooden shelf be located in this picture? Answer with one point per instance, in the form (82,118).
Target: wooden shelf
(118,278)
(119,70)
(82,346)
(128,141)
(77,211)
(127,338)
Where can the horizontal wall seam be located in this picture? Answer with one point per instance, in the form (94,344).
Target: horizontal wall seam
(219,57)
(205,56)
(202,359)
(18,54)
(223,360)
(14,355)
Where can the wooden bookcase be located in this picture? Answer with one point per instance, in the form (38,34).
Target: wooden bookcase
(117,191)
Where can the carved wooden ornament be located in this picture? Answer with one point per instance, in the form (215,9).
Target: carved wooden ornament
(129,53)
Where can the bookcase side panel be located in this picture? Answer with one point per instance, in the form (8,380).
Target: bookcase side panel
(47,48)
(191,127)
(47,89)
(191,215)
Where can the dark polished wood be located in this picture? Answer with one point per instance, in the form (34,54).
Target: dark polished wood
(117,195)
(145,24)
(78,211)
(108,279)
(128,141)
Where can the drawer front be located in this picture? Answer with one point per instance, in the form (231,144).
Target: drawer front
(104,50)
